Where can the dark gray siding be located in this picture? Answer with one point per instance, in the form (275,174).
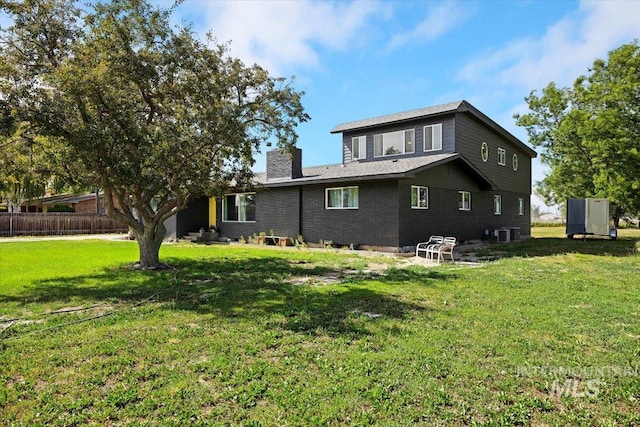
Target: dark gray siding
(417,126)
(470,134)
(282,164)
(190,219)
(277,209)
(443,216)
(375,222)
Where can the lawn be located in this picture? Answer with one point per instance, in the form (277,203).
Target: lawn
(243,335)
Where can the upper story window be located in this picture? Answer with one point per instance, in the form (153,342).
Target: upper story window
(239,207)
(419,197)
(502,156)
(497,204)
(341,198)
(520,206)
(433,137)
(392,143)
(464,200)
(359,147)
(484,152)
(514,162)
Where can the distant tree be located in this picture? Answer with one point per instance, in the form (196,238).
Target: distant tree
(590,133)
(535,212)
(138,107)
(21,177)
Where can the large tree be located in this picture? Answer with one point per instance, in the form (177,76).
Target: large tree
(590,133)
(139,107)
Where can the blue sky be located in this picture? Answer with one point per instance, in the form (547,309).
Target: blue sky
(360,59)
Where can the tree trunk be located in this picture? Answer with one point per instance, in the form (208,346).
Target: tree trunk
(149,242)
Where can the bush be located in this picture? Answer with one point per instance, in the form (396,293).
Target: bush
(547,223)
(61,208)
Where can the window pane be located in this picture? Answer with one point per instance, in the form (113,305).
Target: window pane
(437,137)
(335,198)
(230,212)
(249,207)
(393,142)
(424,197)
(464,202)
(419,197)
(408,141)
(378,146)
(351,199)
(428,138)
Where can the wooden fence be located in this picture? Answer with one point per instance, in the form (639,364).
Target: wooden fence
(48,224)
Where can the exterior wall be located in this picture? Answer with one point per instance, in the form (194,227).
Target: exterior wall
(448,135)
(277,209)
(375,222)
(443,216)
(470,134)
(190,219)
(88,206)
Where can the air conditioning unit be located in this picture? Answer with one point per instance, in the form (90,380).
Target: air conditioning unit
(502,234)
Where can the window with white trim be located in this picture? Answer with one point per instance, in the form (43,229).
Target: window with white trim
(419,197)
(502,156)
(464,200)
(514,162)
(497,204)
(393,143)
(341,198)
(433,137)
(520,206)
(359,147)
(484,152)
(239,207)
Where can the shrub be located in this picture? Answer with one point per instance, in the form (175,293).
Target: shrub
(61,208)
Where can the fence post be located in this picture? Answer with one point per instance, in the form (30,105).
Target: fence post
(11,224)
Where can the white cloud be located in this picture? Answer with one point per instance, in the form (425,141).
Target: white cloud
(282,35)
(441,17)
(564,52)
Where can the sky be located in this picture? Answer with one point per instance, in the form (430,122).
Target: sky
(364,58)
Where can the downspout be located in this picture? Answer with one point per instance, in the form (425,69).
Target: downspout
(300,216)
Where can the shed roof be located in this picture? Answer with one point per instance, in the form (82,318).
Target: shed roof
(374,170)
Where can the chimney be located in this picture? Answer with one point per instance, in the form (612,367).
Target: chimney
(284,164)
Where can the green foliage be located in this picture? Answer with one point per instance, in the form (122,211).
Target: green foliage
(230,338)
(590,133)
(61,208)
(139,107)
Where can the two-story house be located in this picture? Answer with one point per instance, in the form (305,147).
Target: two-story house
(443,170)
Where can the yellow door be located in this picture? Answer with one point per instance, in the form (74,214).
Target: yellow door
(212,211)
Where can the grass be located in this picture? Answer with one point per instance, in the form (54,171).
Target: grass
(249,336)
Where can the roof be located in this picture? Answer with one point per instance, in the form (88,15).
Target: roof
(375,170)
(64,198)
(437,110)
(397,117)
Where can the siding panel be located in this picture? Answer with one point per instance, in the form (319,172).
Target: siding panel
(448,135)
(470,134)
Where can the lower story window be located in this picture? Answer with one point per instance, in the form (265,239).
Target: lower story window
(521,206)
(239,207)
(419,197)
(497,204)
(464,200)
(341,198)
